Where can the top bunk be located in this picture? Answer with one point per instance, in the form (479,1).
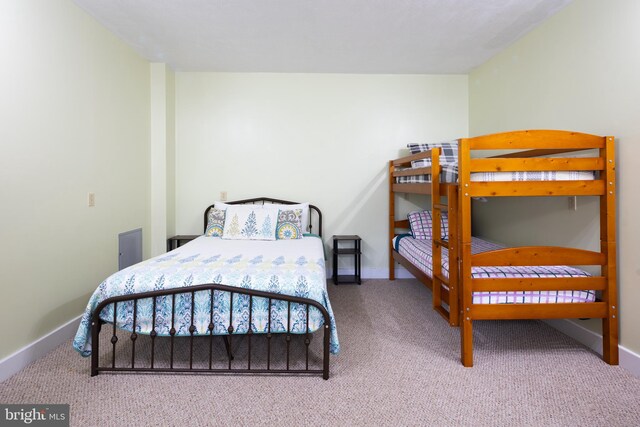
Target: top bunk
(539,163)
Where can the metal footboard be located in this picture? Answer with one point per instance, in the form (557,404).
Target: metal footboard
(233,365)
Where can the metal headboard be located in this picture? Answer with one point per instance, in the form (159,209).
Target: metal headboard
(313,211)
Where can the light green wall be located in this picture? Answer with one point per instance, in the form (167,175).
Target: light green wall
(578,71)
(162,156)
(75,119)
(171,152)
(323,138)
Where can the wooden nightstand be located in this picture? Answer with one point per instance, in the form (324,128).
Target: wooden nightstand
(354,250)
(176,241)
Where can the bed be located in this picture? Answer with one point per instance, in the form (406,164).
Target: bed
(230,289)
(489,282)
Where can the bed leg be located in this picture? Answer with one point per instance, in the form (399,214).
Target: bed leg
(326,345)
(392,264)
(610,339)
(228,347)
(95,346)
(466,344)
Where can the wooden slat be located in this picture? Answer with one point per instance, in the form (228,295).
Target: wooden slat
(538,311)
(442,279)
(536,139)
(408,159)
(537,153)
(538,188)
(537,255)
(544,164)
(440,206)
(403,223)
(412,188)
(413,172)
(538,284)
(441,243)
(423,188)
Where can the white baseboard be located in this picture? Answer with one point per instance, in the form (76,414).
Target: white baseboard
(629,360)
(17,361)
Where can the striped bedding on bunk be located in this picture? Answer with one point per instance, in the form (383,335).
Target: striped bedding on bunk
(418,252)
(449,173)
(449,169)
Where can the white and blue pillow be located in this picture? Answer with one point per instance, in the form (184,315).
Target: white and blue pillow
(248,222)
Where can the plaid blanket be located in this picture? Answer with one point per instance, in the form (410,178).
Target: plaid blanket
(418,252)
(449,173)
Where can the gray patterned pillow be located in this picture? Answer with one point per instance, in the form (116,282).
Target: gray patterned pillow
(215,223)
(289,224)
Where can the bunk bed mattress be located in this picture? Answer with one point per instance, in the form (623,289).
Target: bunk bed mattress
(418,252)
(292,267)
(449,173)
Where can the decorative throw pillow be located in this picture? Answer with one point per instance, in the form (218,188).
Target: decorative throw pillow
(305,212)
(248,222)
(448,152)
(421,223)
(215,222)
(289,224)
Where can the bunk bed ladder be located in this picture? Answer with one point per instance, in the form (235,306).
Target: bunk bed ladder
(439,279)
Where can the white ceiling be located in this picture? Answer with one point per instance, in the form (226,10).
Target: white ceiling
(321,36)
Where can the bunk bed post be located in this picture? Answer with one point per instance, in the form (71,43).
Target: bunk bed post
(608,248)
(464,247)
(392,220)
(454,288)
(436,232)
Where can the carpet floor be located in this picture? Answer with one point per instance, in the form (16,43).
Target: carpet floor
(398,365)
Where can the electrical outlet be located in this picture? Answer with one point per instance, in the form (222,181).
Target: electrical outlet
(91,200)
(223,196)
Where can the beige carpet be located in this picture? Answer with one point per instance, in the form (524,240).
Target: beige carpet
(399,365)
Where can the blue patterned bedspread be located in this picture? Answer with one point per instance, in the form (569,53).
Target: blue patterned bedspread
(289,267)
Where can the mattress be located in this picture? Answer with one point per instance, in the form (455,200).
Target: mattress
(290,267)
(449,173)
(418,252)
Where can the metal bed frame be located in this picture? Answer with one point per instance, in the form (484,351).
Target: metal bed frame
(232,366)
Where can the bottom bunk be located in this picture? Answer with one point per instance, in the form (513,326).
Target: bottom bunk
(510,290)
(419,253)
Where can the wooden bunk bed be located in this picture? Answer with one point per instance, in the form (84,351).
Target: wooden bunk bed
(539,150)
